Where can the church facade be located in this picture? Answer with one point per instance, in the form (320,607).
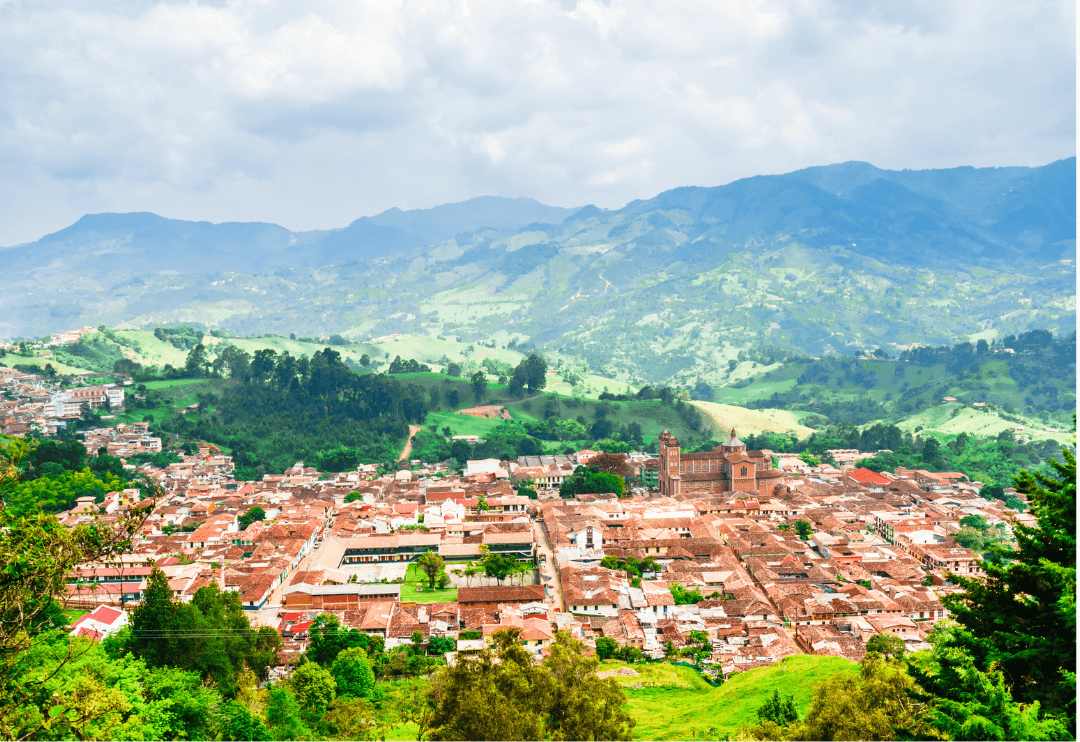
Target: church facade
(727,468)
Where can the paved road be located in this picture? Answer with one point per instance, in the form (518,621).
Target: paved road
(268,614)
(543,545)
(413,430)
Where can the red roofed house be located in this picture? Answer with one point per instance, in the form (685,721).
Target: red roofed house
(99,623)
(862,475)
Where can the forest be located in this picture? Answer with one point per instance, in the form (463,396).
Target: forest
(280,410)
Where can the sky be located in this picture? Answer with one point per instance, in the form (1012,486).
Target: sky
(311,114)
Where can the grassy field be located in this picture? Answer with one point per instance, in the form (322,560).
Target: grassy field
(746,421)
(953,419)
(177,393)
(11,360)
(673,702)
(412,593)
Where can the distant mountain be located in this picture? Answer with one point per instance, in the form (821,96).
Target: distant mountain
(671,288)
(126,245)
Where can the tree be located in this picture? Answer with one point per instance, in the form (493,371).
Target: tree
(237,723)
(210,635)
(256,513)
(505,694)
(327,638)
(967,703)
(38,554)
(479,386)
(351,718)
(498,566)
(197,364)
(889,645)
(1022,614)
(470,571)
(494,696)
(453,399)
(612,463)
(314,687)
(352,673)
(606,648)
(284,716)
(535,372)
(432,565)
(779,710)
(441,644)
(353,497)
(583,706)
(804,528)
(876,704)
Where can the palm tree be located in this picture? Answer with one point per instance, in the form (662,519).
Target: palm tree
(470,572)
(522,569)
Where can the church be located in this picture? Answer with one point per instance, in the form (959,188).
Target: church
(727,468)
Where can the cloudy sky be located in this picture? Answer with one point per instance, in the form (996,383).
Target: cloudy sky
(311,114)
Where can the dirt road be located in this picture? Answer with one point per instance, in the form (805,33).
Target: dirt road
(413,430)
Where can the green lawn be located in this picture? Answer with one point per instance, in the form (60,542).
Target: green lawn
(411,593)
(673,702)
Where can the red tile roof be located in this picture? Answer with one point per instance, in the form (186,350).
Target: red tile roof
(865,476)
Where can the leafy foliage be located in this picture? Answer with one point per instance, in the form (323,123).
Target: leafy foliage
(589,479)
(1021,616)
(211,635)
(505,694)
(289,409)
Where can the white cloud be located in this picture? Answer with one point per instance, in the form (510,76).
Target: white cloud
(311,114)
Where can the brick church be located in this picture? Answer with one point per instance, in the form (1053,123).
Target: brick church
(727,468)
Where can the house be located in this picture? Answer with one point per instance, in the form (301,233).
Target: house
(492,597)
(99,623)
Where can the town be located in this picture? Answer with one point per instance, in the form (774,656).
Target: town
(747,557)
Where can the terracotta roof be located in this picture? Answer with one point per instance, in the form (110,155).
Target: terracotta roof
(508,594)
(866,476)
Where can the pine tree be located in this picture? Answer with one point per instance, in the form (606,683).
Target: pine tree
(1022,614)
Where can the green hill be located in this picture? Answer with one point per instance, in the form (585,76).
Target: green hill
(673,702)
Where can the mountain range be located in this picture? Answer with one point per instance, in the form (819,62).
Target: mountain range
(823,259)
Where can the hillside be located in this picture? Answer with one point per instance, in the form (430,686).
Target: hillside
(673,702)
(743,421)
(668,290)
(1024,380)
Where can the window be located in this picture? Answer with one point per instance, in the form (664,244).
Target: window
(743,473)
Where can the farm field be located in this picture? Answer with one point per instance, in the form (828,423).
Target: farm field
(673,702)
(746,421)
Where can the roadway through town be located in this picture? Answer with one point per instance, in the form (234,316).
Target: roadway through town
(543,545)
